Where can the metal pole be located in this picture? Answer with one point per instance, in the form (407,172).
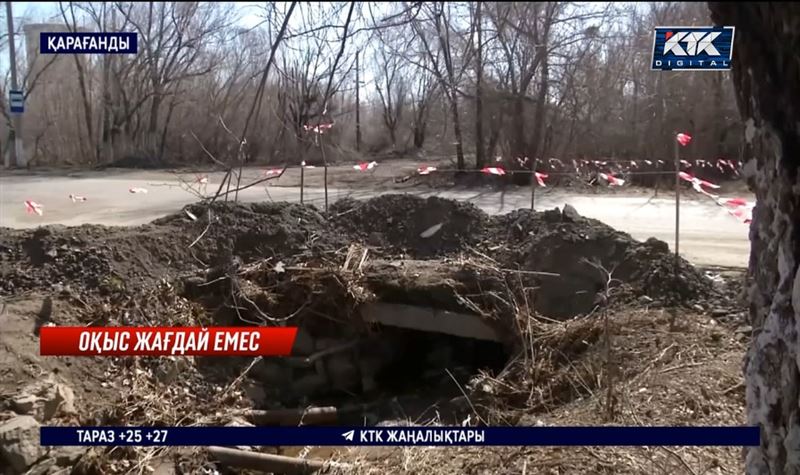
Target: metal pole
(302,180)
(533,182)
(358,108)
(677,204)
(17,154)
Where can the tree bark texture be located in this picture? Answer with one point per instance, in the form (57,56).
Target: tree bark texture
(766,74)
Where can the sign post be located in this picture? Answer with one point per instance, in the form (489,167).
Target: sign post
(15,96)
(16,102)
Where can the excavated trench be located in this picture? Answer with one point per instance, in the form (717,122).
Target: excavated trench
(386,314)
(397,362)
(397,297)
(391,373)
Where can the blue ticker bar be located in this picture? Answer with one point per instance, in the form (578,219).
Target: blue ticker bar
(402,436)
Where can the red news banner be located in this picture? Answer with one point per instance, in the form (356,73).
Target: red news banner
(166,341)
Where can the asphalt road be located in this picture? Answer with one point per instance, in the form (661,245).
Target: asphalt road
(709,235)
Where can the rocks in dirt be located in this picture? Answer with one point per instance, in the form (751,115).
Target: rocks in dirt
(569,213)
(45,400)
(24,403)
(19,443)
(61,400)
(67,456)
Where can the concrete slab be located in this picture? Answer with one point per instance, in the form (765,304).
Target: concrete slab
(429,320)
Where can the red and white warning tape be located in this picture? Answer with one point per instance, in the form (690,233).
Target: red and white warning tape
(494,171)
(365,166)
(611,179)
(426,170)
(738,207)
(32,207)
(698,184)
(318,129)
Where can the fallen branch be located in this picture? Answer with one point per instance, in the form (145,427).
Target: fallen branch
(267,463)
(294,417)
(204,231)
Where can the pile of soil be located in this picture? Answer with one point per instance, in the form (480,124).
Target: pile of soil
(254,230)
(592,258)
(582,251)
(396,223)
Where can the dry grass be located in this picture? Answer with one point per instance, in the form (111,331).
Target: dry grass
(691,376)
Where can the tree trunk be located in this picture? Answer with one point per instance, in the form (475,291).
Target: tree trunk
(766,75)
(152,127)
(479,147)
(419,133)
(717,123)
(457,130)
(358,108)
(541,106)
(518,126)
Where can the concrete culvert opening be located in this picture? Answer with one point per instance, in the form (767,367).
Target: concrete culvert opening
(383,373)
(424,360)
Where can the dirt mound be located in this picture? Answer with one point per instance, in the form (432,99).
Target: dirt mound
(400,222)
(90,256)
(591,258)
(49,256)
(254,230)
(581,251)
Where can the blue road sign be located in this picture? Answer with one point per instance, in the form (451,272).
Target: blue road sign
(16,102)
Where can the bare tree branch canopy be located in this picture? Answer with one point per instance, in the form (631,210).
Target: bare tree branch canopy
(467,79)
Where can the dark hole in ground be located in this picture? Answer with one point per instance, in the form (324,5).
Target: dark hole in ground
(404,375)
(423,358)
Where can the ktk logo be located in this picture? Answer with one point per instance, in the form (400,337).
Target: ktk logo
(684,48)
(696,43)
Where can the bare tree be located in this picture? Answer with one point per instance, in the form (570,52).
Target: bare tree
(566,79)
(443,64)
(391,88)
(479,145)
